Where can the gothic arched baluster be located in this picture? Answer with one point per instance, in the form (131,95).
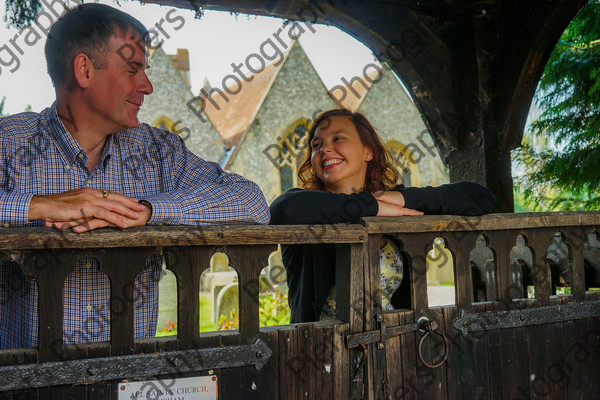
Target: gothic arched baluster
(416,246)
(591,255)
(122,289)
(559,259)
(575,240)
(483,271)
(188,263)
(463,242)
(249,262)
(521,261)
(540,240)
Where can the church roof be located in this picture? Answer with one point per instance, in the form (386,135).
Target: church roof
(360,87)
(233,116)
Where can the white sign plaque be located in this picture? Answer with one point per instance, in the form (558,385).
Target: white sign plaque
(194,388)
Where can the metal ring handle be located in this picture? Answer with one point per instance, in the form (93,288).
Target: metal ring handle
(420,352)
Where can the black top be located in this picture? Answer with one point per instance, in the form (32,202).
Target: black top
(311,268)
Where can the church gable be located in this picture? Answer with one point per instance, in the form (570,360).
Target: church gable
(167,106)
(400,126)
(296,96)
(351,93)
(233,114)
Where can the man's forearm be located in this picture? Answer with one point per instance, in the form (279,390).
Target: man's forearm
(36,208)
(210,203)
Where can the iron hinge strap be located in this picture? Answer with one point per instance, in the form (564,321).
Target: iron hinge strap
(133,366)
(379,335)
(490,320)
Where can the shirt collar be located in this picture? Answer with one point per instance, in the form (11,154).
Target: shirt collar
(68,146)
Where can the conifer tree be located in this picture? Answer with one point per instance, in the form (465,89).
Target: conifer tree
(566,176)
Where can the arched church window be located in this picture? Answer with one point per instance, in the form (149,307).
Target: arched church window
(401,162)
(292,149)
(164,123)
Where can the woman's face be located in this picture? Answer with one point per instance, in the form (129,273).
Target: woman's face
(338,156)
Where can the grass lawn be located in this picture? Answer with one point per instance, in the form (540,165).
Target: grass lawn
(273,311)
(206,323)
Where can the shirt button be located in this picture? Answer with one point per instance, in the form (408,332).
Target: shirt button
(67,167)
(80,156)
(6,225)
(89,307)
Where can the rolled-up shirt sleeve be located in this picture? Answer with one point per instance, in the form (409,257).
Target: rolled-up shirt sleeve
(14,208)
(204,193)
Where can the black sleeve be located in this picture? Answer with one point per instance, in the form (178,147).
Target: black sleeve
(459,198)
(298,206)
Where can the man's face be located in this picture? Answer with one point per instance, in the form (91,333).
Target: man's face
(117,92)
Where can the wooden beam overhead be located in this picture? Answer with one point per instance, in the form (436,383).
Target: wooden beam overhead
(471,68)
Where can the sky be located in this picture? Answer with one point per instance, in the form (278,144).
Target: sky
(214,42)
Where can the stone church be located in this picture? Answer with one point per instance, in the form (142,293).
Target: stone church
(259,131)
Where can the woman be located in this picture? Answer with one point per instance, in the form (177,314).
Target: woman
(348,174)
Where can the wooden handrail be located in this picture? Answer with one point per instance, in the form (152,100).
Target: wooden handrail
(47,238)
(491,222)
(44,238)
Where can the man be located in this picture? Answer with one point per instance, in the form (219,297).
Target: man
(87,163)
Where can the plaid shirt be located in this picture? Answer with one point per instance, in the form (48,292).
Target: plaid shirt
(38,156)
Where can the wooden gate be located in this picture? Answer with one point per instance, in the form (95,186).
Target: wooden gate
(510,343)
(282,362)
(510,335)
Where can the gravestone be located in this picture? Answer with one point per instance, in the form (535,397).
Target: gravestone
(167,299)
(218,276)
(228,301)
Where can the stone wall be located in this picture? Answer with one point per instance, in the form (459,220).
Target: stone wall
(395,117)
(169,99)
(296,93)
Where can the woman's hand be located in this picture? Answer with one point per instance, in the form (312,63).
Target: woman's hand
(393,210)
(390,197)
(391,204)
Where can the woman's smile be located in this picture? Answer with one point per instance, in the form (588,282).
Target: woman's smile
(331,163)
(339,158)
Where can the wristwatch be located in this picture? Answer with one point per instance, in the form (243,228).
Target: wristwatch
(147,204)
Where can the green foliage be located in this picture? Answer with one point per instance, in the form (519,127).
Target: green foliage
(206,325)
(21,13)
(229,322)
(169,329)
(568,177)
(273,310)
(520,206)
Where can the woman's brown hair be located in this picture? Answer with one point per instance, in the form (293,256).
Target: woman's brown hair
(381,174)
